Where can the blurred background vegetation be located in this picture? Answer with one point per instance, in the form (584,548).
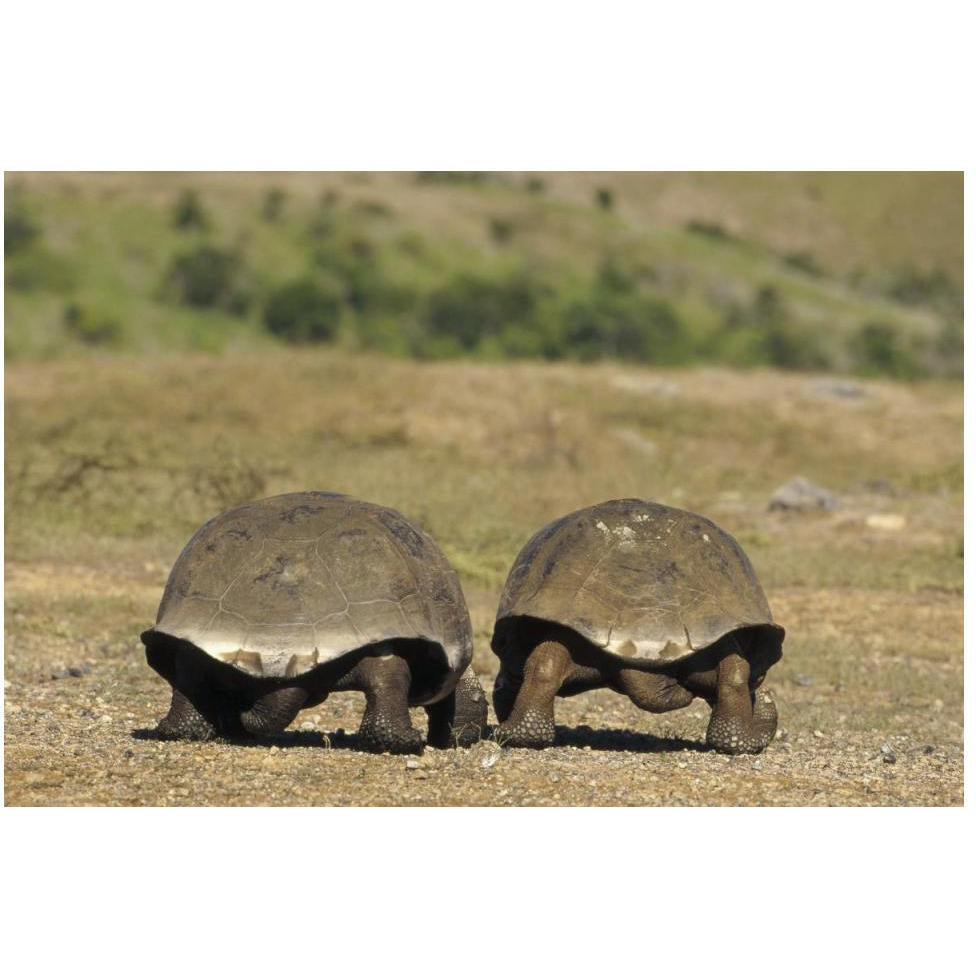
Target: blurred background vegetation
(848,272)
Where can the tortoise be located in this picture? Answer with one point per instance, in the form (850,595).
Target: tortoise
(275,604)
(654,602)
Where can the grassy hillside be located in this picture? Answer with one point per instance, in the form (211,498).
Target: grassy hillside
(840,271)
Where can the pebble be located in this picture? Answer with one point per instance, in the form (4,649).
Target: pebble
(817,734)
(887,753)
(489,760)
(928,750)
(802,495)
(839,389)
(105,719)
(307,726)
(803,680)
(413,764)
(885,522)
(273,750)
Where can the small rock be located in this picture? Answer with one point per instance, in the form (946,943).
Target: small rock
(128,754)
(887,753)
(817,734)
(273,750)
(413,764)
(490,758)
(839,389)
(885,522)
(76,671)
(803,680)
(105,719)
(420,775)
(801,495)
(928,750)
(757,765)
(58,675)
(554,777)
(307,726)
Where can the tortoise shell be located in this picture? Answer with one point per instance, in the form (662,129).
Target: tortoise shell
(279,586)
(641,581)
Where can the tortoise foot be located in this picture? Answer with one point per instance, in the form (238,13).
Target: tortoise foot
(533,730)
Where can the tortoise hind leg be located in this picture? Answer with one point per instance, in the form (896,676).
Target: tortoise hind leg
(531,723)
(185,721)
(650,691)
(460,718)
(274,711)
(386,726)
(743,720)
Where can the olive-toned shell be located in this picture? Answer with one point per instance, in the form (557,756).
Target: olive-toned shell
(642,581)
(281,585)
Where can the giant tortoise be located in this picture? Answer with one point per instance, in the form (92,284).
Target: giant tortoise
(273,605)
(654,602)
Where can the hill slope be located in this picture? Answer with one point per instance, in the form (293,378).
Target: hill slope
(848,271)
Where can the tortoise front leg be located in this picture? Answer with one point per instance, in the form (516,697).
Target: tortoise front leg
(531,723)
(459,719)
(742,720)
(386,725)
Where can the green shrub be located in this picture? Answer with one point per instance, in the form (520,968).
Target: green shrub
(785,343)
(188,212)
(948,348)
(879,350)
(935,289)
(92,330)
(208,277)
(623,325)
(372,208)
(705,228)
(19,231)
(603,198)
(805,262)
(303,312)
(274,205)
(501,230)
(470,309)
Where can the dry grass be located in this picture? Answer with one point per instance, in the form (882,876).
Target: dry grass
(111,464)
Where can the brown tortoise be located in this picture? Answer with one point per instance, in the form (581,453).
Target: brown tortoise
(273,605)
(657,603)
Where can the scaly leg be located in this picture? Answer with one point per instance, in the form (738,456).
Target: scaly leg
(742,720)
(531,723)
(459,719)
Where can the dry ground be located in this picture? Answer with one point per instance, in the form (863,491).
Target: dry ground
(111,465)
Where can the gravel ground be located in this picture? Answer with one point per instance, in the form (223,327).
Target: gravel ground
(85,740)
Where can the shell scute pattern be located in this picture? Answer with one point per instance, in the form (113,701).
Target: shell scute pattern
(637,579)
(310,577)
